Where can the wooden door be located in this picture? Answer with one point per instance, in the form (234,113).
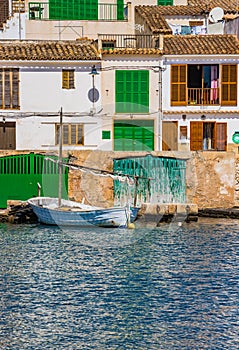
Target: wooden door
(170,136)
(196,136)
(221,137)
(7,135)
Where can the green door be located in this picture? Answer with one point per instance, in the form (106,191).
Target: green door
(137,135)
(20,175)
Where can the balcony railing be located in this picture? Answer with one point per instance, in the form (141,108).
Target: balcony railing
(203,96)
(137,41)
(104,12)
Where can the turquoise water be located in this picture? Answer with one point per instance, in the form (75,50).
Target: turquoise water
(150,288)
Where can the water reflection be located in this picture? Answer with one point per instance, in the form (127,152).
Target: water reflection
(159,288)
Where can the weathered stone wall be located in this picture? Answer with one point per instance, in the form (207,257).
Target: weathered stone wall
(237,180)
(211,179)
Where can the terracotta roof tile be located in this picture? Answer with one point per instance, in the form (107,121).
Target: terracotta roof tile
(131,51)
(201,45)
(187,45)
(154,16)
(226,5)
(48,50)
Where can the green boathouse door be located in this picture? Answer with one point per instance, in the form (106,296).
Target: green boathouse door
(21,174)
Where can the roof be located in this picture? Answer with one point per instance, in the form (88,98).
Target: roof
(48,50)
(226,5)
(201,45)
(221,44)
(154,16)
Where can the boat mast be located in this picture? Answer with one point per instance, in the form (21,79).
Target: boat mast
(60,160)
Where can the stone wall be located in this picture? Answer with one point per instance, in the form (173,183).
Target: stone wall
(237,180)
(212,177)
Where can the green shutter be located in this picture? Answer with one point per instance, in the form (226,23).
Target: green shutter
(73,10)
(132,91)
(137,135)
(106,135)
(165,2)
(120,9)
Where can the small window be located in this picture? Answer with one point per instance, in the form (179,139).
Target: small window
(108,44)
(72,134)
(68,79)
(183,132)
(106,135)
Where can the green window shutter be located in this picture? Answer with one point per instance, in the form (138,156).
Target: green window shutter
(73,10)
(120,9)
(165,2)
(132,91)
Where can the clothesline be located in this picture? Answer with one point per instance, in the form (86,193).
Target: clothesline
(130,179)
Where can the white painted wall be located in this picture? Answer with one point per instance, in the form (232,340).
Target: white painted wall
(12,29)
(38,132)
(42,97)
(41,89)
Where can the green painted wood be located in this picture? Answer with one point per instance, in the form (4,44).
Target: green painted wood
(132,91)
(163,180)
(120,10)
(135,135)
(20,174)
(165,2)
(73,10)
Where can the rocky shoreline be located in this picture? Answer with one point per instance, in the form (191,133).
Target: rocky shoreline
(19,212)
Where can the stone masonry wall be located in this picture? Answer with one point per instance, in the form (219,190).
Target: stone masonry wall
(212,177)
(237,181)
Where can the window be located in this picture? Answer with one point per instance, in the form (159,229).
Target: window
(165,2)
(73,10)
(9,88)
(132,91)
(229,84)
(106,135)
(72,134)
(108,44)
(68,79)
(183,132)
(178,85)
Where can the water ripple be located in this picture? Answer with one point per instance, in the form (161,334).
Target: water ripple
(157,288)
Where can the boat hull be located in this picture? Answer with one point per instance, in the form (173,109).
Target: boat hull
(76,214)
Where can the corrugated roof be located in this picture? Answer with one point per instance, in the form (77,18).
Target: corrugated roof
(48,50)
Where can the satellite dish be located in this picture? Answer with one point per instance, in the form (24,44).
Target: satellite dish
(216,14)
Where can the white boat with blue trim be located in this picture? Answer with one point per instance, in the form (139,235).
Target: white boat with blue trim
(71,213)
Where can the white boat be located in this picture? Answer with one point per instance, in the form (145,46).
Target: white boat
(72,213)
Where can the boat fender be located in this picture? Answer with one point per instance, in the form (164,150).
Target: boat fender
(131,225)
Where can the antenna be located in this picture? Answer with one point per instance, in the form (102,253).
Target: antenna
(216,14)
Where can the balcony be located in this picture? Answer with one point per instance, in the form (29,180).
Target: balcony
(103,12)
(128,41)
(203,96)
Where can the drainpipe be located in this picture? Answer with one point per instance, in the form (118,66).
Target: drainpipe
(160,116)
(10,8)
